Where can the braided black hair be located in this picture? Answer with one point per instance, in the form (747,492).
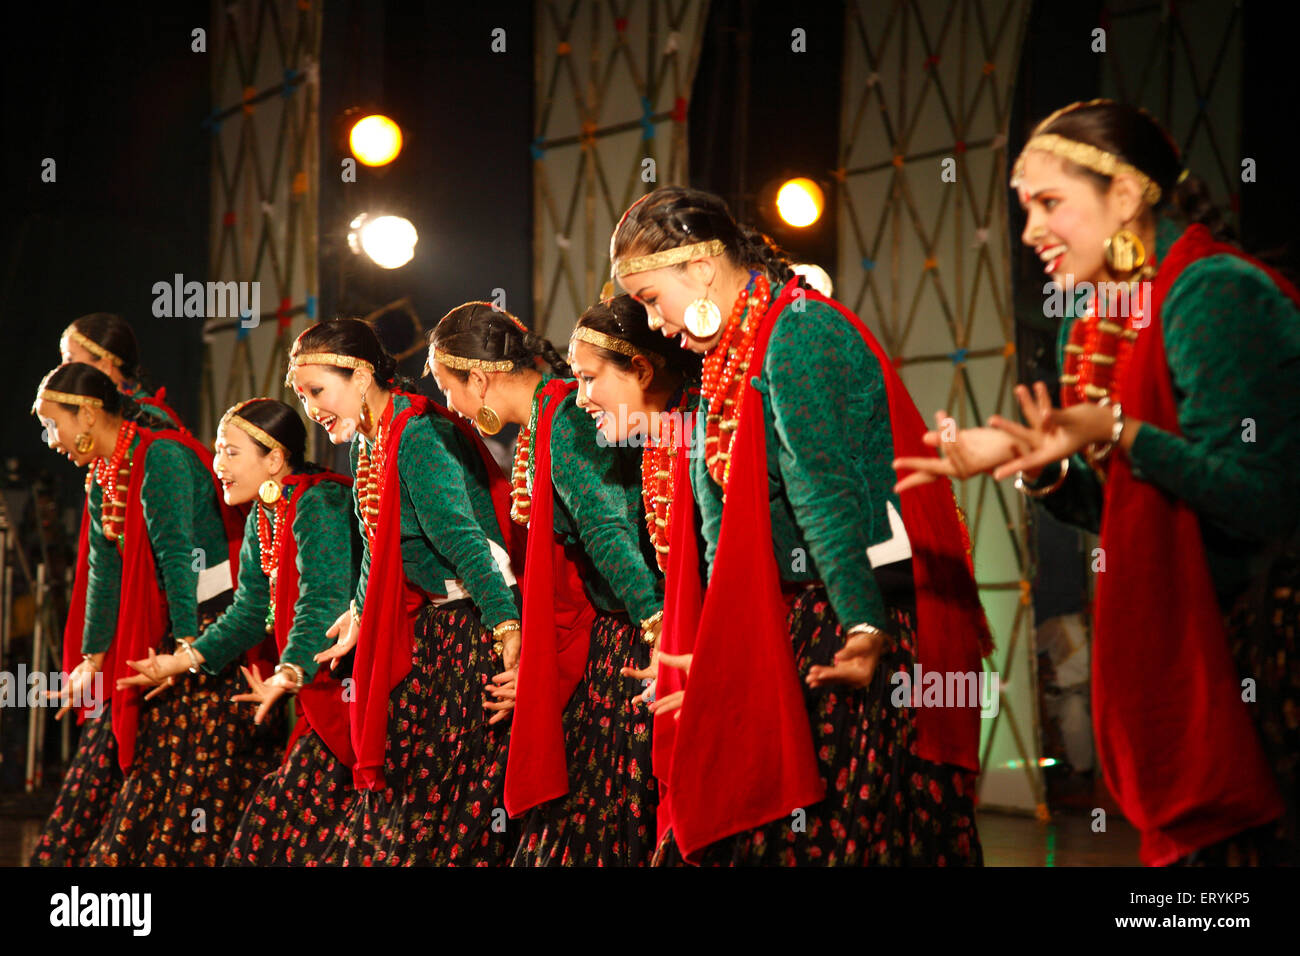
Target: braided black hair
(478,330)
(78,378)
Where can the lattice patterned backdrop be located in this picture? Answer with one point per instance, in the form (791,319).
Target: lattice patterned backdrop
(924,261)
(1183,62)
(613,83)
(265,92)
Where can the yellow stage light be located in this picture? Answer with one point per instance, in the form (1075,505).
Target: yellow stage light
(800,202)
(375,140)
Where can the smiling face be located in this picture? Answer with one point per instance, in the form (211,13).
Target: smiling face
(1067,219)
(332,399)
(615,398)
(60,428)
(242,465)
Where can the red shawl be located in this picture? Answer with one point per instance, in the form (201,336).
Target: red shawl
(1176,742)
(142,605)
(321,706)
(383,650)
(745,721)
(557,619)
(159,400)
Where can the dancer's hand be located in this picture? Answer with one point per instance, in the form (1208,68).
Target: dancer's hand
(264,693)
(1051,434)
(649,673)
(158,671)
(963,452)
(673,702)
(346,630)
(511,643)
(79,680)
(854,664)
(502,688)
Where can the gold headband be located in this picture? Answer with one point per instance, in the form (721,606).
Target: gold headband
(465,364)
(66,398)
(669,257)
(1089,157)
(94,348)
(603,341)
(232,417)
(326,358)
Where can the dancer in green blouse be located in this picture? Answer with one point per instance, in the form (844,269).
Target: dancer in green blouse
(580,753)
(159,557)
(808,551)
(295,579)
(434,615)
(1177,438)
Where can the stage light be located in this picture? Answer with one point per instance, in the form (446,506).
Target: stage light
(800,202)
(389,241)
(375,140)
(816,276)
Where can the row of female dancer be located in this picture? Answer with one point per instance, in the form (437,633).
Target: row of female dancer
(673,633)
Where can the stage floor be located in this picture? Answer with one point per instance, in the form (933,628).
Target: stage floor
(1067,840)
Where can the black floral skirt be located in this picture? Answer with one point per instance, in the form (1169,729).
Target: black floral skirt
(884,805)
(445,766)
(1263,629)
(608,816)
(292,818)
(85,798)
(198,759)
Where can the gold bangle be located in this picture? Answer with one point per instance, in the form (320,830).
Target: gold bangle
(299,675)
(504,626)
(1022,486)
(651,627)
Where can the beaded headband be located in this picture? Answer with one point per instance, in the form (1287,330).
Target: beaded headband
(1089,157)
(465,364)
(609,342)
(232,417)
(669,257)
(91,346)
(326,358)
(65,398)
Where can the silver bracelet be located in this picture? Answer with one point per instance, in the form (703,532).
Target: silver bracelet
(299,675)
(194,656)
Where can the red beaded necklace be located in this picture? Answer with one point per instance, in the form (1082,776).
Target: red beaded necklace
(114,478)
(521,498)
(657,487)
(726,368)
(270,542)
(370,473)
(1098,352)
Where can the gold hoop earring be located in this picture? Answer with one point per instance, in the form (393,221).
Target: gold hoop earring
(703,318)
(1125,253)
(487,421)
(83,442)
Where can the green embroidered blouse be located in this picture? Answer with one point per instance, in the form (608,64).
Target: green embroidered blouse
(158,417)
(598,506)
(185,531)
(447,516)
(829,449)
(322,531)
(1232,341)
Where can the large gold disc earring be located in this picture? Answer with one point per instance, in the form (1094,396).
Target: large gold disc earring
(487,420)
(1125,253)
(83,443)
(269,491)
(703,318)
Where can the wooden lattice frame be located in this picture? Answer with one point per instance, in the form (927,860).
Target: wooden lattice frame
(981,378)
(264,213)
(575,214)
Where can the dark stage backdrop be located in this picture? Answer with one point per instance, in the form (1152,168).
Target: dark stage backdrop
(115,96)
